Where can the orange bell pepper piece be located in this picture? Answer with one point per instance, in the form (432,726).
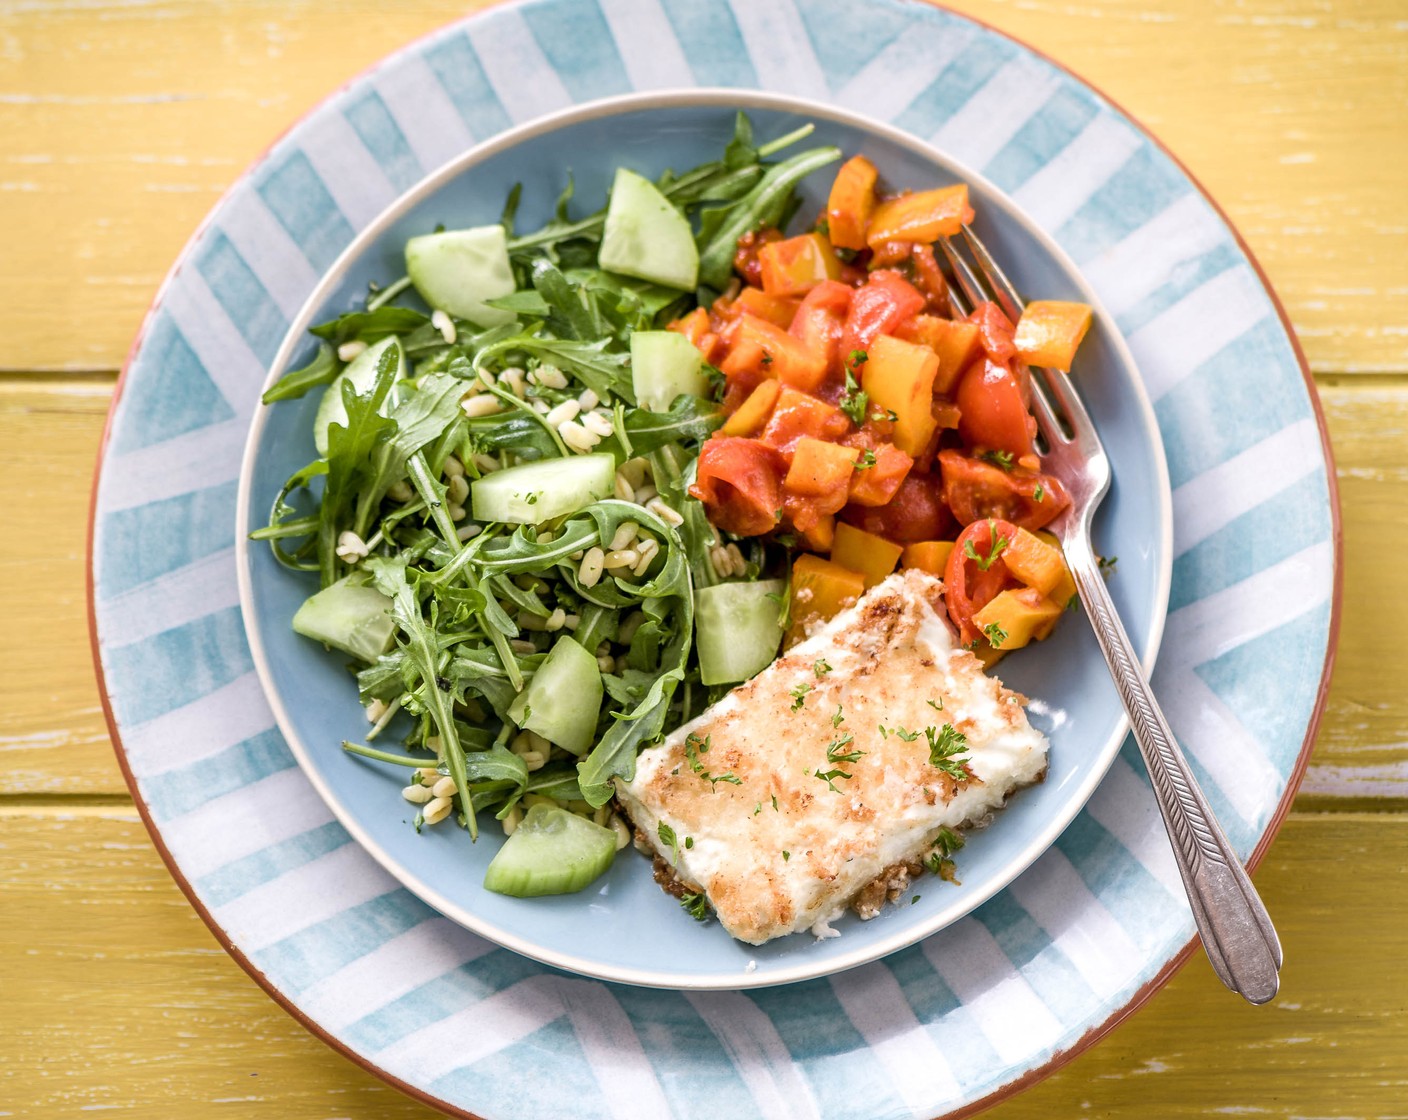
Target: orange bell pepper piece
(820,469)
(873,557)
(879,472)
(851,203)
(778,354)
(927,556)
(774,309)
(820,590)
(899,376)
(1049,332)
(796,266)
(750,417)
(921,217)
(956,344)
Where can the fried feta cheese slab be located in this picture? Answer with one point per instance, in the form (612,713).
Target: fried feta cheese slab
(808,783)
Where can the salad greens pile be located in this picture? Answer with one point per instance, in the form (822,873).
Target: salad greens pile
(451,612)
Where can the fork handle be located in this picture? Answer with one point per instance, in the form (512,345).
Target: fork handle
(1237,933)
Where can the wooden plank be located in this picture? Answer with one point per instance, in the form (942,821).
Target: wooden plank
(111,151)
(118,997)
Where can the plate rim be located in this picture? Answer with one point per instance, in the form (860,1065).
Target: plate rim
(295,337)
(1058,1059)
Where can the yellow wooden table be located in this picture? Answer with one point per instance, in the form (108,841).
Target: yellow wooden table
(121,121)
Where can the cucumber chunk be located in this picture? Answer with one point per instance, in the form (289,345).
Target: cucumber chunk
(536,492)
(563,700)
(551,852)
(457,270)
(350,616)
(665,364)
(737,629)
(646,236)
(361,373)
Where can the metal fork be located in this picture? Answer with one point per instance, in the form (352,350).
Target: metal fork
(1237,933)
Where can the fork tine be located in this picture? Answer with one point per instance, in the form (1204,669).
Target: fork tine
(1007,297)
(971,285)
(1045,413)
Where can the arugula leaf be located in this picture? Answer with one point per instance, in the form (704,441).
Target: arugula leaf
(371,326)
(293,384)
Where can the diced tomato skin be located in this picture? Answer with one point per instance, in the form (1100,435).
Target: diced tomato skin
(968,586)
(915,513)
(996,331)
(799,415)
(992,412)
(885,301)
(975,490)
(740,482)
(821,320)
(929,279)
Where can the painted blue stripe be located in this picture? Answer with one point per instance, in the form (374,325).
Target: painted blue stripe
(1224,408)
(1042,138)
(544,1075)
(1250,680)
(814,1027)
(1054,979)
(179,791)
(302,959)
(139,544)
(954,87)
(169,670)
(578,43)
(460,72)
(843,47)
(1185,278)
(237,879)
(707,1085)
(298,197)
(242,296)
(168,394)
(378,130)
(1139,902)
(429,1003)
(710,37)
(1145,185)
(1280,527)
(950,1024)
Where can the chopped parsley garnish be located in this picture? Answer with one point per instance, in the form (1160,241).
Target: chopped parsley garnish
(866,460)
(995,635)
(937,707)
(913,900)
(886,414)
(767,358)
(820,668)
(834,752)
(855,400)
(1039,494)
(786,855)
(998,544)
(830,777)
(948,841)
(758,808)
(947,747)
(838,718)
(689,841)
(884,732)
(943,867)
(667,837)
(774,804)
(857,358)
(907,736)
(1001,459)
(694,746)
(799,696)
(696,906)
(1107,563)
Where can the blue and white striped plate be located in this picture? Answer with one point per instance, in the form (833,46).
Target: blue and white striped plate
(954,1021)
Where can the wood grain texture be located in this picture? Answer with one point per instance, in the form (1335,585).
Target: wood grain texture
(117,997)
(111,152)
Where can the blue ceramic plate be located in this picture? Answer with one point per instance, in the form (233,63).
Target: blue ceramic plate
(991,1001)
(314,698)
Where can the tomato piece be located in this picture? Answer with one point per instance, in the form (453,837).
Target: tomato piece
(929,279)
(821,319)
(797,416)
(916,513)
(969,584)
(975,489)
(740,482)
(885,301)
(996,331)
(992,412)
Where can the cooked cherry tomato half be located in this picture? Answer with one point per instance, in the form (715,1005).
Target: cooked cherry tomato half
(975,489)
(976,573)
(915,513)
(885,301)
(993,413)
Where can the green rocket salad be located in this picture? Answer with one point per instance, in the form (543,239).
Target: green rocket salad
(498,517)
